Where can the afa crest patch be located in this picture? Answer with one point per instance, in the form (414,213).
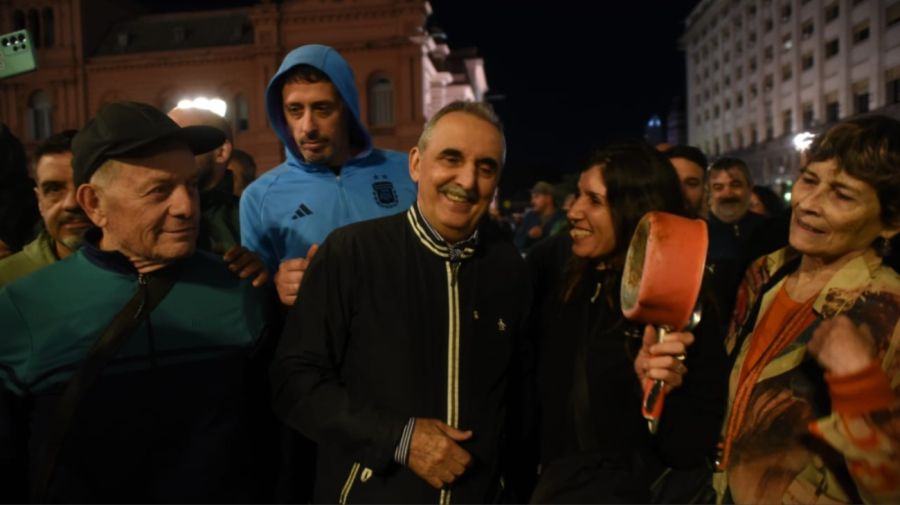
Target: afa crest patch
(385,194)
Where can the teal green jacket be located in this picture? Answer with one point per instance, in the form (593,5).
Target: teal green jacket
(52,317)
(34,256)
(167,420)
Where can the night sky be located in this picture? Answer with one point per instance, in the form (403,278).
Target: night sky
(564,75)
(572,74)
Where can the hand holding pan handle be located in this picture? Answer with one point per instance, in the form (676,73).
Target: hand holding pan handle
(661,284)
(654,390)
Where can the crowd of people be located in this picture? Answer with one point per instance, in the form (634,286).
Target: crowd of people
(352,326)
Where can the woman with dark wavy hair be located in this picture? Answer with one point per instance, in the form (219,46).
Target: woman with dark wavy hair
(595,446)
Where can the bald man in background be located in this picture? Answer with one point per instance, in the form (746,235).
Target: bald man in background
(220,231)
(219,223)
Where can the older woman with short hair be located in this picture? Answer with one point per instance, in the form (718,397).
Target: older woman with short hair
(813,413)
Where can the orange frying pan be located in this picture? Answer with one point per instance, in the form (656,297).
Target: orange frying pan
(661,284)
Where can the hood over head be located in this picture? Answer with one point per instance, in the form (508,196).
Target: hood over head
(332,64)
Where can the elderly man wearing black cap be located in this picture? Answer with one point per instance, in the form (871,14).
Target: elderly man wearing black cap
(134,363)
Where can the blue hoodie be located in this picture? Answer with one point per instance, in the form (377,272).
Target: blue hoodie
(296,204)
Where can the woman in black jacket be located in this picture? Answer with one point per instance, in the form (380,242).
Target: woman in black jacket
(595,445)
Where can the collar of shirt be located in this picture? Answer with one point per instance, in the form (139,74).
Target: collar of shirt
(113,261)
(433,241)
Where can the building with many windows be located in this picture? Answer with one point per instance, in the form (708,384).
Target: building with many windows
(760,72)
(95,51)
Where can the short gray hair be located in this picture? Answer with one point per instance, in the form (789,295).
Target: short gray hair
(106,173)
(481,110)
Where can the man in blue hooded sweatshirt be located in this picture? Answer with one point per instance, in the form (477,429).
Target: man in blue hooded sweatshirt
(332,177)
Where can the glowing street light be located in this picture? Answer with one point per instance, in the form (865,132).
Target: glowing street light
(215,105)
(803,140)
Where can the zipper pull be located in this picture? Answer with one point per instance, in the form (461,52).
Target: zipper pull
(454,269)
(597,292)
(142,285)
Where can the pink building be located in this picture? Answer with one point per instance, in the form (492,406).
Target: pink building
(95,51)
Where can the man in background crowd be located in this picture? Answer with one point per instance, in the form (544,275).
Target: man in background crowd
(243,170)
(690,163)
(219,222)
(64,220)
(544,219)
(730,225)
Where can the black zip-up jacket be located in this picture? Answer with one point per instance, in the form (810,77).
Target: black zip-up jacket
(391,324)
(594,444)
(729,255)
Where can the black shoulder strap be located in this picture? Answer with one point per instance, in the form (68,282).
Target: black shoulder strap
(748,325)
(150,293)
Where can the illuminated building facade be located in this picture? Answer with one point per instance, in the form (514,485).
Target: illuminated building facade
(761,72)
(95,51)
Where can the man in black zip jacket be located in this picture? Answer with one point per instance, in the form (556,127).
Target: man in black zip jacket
(403,357)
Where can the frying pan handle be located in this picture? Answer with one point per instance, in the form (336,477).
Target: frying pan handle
(654,394)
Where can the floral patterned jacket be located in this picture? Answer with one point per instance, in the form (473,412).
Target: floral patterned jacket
(808,437)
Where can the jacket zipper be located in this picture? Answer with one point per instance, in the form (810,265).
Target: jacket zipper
(452,356)
(339,180)
(143,285)
(348,485)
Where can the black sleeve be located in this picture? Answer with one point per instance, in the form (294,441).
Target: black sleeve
(309,393)
(13,447)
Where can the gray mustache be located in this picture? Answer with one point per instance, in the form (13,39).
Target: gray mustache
(74,217)
(458,191)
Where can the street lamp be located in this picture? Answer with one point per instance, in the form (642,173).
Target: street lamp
(802,141)
(215,105)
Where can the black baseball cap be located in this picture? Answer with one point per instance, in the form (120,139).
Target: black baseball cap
(127,128)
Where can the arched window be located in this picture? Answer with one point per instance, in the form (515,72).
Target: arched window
(18,20)
(241,113)
(381,101)
(34,26)
(48,26)
(39,120)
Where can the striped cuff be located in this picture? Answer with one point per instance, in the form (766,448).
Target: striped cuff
(401,453)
